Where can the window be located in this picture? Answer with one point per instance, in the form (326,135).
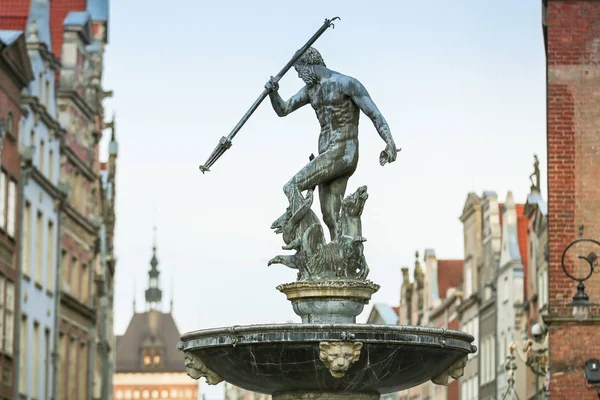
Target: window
(50,257)
(74,277)
(64,269)
(85,283)
(39,245)
(2,310)
(83,361)
(9,319)
(156,359)
(72,366)
(41,165)
(40,86)
(51,166)
(468,280)
(147,360)
(9,123)
(26,238)
(23,359)
(47,363)
(32,138)
(3,200)
(36,361)
(62,366)
(493,357)
(47,93)
(12,209)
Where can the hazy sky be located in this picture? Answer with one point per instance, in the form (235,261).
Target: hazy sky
(461,84)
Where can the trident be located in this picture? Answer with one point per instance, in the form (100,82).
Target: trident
(225,142)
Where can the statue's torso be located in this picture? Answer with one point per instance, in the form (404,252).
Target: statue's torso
(336,112)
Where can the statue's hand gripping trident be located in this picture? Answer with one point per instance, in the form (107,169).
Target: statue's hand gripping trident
(225,142)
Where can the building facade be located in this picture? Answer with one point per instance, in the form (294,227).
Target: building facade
(431,299)
(15,75)
(40,139)
(148,364)
(491,244)
(510,286)
(78,38)
(571,37)
(468,310)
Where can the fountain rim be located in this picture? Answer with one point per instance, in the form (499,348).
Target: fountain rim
(241,335)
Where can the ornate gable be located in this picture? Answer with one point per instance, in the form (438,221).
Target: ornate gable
(13,53)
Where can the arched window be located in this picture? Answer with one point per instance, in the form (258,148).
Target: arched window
(9,123)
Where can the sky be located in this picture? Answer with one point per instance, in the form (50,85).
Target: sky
(461,84)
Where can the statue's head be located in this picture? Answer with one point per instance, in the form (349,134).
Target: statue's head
(306,63)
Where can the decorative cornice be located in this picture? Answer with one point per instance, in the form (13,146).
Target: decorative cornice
(71,94)
(47,54)
(45,183)
(467,303)
(45,116)
(78,162)
(83,221)
(82,309)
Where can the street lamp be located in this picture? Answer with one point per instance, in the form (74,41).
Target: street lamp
(581,302)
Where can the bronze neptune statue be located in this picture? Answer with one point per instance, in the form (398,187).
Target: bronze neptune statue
(337,100)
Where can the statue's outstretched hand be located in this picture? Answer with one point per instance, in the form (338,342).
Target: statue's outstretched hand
(389,154)
(272,85)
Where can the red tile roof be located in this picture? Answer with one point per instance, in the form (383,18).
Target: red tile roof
(450,275)
(396,310)
(14,14)
(58,12)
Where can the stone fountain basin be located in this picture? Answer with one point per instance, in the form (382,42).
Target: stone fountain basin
(282,358)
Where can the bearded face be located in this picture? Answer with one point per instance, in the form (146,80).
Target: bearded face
(307,74)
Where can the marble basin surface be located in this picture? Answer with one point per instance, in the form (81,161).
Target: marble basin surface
(283,358)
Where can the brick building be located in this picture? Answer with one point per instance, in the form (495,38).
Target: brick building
(572,41)
(15,74)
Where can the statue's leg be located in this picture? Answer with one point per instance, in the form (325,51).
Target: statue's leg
(324,169)
(330,196)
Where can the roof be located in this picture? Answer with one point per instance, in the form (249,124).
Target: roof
(129,345)
(14,14)
(58,13)
(77,18)
(98,9)
(8,37)
(450,275)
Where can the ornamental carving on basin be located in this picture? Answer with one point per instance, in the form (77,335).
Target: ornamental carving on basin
(339,356)
(455,371)
(196,369)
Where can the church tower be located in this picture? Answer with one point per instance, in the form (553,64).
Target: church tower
(153,293)
(148,364)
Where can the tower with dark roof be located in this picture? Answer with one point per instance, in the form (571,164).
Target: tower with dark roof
(147,359)
(153,293)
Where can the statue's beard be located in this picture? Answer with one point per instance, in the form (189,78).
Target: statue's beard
(308,75)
